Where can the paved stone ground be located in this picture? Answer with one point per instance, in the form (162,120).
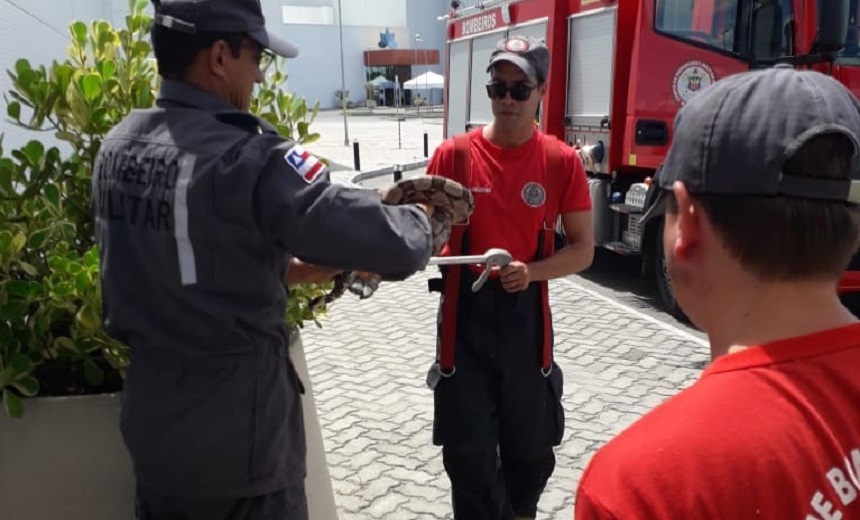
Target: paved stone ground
(368,365)
(369,361)
(383,142)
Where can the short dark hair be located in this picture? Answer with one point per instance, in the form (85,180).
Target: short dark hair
(175,51)
(791,239)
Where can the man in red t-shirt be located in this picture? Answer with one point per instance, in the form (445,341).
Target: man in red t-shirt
(497,410)
(760,200)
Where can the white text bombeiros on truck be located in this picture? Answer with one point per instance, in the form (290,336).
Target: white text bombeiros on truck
(478,24)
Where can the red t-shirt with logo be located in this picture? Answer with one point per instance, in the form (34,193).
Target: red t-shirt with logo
(509,186)
(771,432)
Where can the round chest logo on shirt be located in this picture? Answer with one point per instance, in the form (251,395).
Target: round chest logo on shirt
(534,195)
(691,77)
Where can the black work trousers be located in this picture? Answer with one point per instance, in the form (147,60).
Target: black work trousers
(286,504)
(497,416)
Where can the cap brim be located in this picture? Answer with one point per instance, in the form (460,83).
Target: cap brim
(655,206)
(523,64)
(276,44)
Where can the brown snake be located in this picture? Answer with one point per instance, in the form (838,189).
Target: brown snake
(453,205)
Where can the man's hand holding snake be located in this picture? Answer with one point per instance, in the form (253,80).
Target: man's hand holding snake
(446,203)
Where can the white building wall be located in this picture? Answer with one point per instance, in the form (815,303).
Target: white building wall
(37,30)
(313,25)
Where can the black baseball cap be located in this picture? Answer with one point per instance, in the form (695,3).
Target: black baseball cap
(734,137)
(529,54)
(238,16)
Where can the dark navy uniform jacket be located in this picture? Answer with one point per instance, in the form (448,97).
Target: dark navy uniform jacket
(198,208)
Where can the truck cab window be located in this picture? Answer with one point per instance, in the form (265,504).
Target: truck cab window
(850,54)
(762,29)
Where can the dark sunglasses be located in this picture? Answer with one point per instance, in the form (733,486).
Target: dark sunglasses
(519,91)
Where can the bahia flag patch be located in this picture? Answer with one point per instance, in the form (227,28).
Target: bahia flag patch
(306,165)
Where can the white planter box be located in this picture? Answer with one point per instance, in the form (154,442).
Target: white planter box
(65,459)
(321,505)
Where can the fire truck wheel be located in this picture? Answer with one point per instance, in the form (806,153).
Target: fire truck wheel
(664,283)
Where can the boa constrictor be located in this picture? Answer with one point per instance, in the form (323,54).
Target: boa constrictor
(453,205)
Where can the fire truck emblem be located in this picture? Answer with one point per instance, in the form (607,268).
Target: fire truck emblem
(690,79)
(534,195)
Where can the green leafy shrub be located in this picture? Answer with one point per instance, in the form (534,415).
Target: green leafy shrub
(51,338)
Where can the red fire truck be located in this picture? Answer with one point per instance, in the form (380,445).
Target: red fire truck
(620,71)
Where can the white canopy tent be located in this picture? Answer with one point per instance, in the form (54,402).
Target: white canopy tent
(424,84)
(425,81)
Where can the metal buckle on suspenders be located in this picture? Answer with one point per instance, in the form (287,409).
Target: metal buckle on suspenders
(435,374)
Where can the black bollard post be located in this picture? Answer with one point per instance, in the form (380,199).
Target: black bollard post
(398,173)
(426,146)
(356,156)
(399,134)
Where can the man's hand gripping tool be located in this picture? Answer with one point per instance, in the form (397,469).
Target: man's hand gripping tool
(493,257)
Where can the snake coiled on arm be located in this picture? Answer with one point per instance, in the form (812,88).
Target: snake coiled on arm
(453,205)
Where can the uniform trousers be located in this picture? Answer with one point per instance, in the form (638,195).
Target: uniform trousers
(286,504)
(497,417)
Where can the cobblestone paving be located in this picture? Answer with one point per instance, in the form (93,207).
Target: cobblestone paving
(383,141)
(368,365)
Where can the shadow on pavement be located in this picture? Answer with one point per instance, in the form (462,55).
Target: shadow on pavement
(621,276)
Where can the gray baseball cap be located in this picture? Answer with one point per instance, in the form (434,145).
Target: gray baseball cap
(238,16)
(530,55)
(734,137)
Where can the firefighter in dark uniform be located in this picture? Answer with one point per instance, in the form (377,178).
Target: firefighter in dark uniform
(201,210)
(497,389)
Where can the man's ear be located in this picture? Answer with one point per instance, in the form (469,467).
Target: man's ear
(689,222)
(216,57)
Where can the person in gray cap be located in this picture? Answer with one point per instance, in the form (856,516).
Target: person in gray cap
(759,193)
(497,390)
(202,210)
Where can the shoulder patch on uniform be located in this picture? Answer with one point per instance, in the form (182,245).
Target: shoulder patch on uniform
(305,165)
